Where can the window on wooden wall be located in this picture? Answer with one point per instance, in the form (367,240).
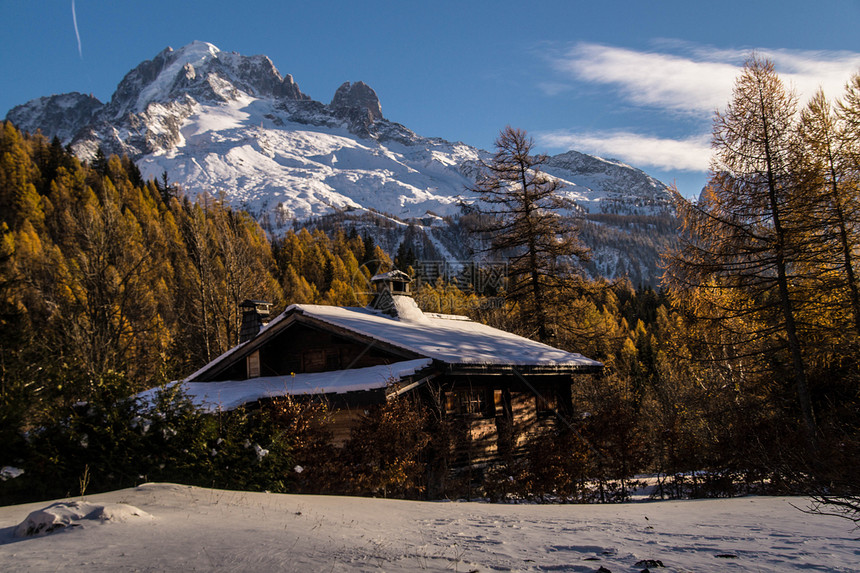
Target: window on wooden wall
(252,363)
(468,401)
(546,403)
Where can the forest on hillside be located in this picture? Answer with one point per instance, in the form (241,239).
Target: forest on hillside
(741,376)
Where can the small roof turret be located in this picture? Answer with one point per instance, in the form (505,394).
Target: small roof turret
(396,282)
(392,294)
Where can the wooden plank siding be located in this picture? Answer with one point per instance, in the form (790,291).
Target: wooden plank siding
(496,416)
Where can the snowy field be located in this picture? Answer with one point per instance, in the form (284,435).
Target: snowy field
(181,528)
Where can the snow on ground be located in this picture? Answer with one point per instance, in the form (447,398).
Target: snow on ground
(204,529)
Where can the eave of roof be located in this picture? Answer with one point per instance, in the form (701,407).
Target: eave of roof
(230,394)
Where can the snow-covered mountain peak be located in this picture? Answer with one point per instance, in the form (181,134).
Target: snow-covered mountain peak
(196,49)
(180,65)
(196,53)
(613,186)
(201,72)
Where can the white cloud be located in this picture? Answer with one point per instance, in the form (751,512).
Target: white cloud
(652,79)
(807,71)
(700,79)
(690,154)
(680,78)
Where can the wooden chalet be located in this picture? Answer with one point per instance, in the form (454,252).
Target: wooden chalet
(496,383)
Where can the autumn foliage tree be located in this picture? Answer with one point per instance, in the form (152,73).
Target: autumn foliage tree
(743,267)
(103,282)
(828,153)
(767,278)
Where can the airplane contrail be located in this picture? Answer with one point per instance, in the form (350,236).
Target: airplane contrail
(77,34)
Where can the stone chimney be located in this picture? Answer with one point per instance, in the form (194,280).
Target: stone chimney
(395,282)
(255,314)
(394,298)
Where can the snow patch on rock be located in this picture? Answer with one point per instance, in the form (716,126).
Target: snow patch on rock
(64,514)
(10,472)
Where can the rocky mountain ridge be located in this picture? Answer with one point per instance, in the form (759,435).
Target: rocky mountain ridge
(153,100)
(232,126)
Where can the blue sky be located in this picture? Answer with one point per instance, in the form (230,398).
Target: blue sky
(634,80)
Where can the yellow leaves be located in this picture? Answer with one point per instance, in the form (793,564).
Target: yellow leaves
(297,289)
(7,241)
(341,294)
(318,269)
(29,245)
(639,333)
(629,351)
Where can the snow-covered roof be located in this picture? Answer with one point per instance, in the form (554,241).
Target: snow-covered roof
(230,394)
(454,340)
(395,275)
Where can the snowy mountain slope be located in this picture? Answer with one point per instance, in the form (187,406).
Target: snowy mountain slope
(232,126)
(57,115)
(260,159)
(338,170)
(610,186)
